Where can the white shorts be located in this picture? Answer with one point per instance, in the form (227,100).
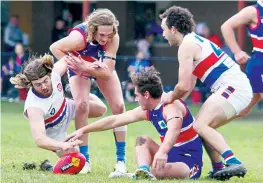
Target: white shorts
(234,86)
(59,132)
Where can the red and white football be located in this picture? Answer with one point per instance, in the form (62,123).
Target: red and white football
(71,163)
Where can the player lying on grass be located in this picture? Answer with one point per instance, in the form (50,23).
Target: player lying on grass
(46,106)
(180,153)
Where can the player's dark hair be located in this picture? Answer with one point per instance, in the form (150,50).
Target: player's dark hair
(148,79)
(180,18)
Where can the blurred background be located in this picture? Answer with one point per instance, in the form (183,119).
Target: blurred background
(32,26)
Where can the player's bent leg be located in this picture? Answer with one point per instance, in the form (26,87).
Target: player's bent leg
(111,89)
(96,107)
(80,89)
(256,98)
(214,112)
(146,148)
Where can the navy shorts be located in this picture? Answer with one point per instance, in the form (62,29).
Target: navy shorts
(254,71)
(192,159)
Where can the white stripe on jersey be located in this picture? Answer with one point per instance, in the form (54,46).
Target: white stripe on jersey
(255,36)
(224,57)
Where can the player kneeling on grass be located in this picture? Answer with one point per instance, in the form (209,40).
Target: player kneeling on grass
(180,153)
(46,107)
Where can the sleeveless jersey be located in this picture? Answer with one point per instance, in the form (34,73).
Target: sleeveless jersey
(256,33)
(91,49)
(213,62)
(187,138)
(54,106)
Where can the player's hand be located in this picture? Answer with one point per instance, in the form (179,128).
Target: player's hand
(241,57)
(65,146)
(75,135)
(159,161)
(77,64)
(167,98)
(98,64)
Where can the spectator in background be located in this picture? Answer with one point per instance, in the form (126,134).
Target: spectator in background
(59,31)
(12,34)
(203,30)
(20,56)
(135,66)
(144,46)
(8,70)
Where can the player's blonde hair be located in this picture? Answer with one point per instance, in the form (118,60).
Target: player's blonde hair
(97,18)
(34,69)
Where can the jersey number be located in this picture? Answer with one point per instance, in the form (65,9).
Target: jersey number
(215,48)
(52,112)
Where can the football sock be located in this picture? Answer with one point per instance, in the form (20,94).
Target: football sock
(230,158)
(217,166)
(85,151)
(145,167)
(120,151)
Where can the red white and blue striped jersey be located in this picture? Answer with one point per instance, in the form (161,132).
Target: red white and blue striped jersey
(91,49)
(213,61)
(54,106)
(256,33)
(187,136)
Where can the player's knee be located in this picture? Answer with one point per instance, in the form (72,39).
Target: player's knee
(118,108)
(82,107)
(102,109)
(142,140)
(184,174)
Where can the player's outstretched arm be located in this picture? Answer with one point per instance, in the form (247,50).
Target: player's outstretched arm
(245,17)
(73,42)
(111,122)
(36,119)
(174,115)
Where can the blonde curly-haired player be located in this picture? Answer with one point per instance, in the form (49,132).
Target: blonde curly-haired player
(95,43)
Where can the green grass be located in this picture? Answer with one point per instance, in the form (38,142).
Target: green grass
(244,136)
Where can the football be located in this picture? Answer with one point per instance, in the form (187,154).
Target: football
(71,163)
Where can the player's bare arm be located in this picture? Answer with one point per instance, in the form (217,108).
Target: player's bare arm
(36,119)
(174,116)
(186,55)
(98,69)
(111,122)
(247,16)
(193,81)
(73,42)
(60,66)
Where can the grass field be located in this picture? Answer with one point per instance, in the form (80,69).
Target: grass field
(244,136)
